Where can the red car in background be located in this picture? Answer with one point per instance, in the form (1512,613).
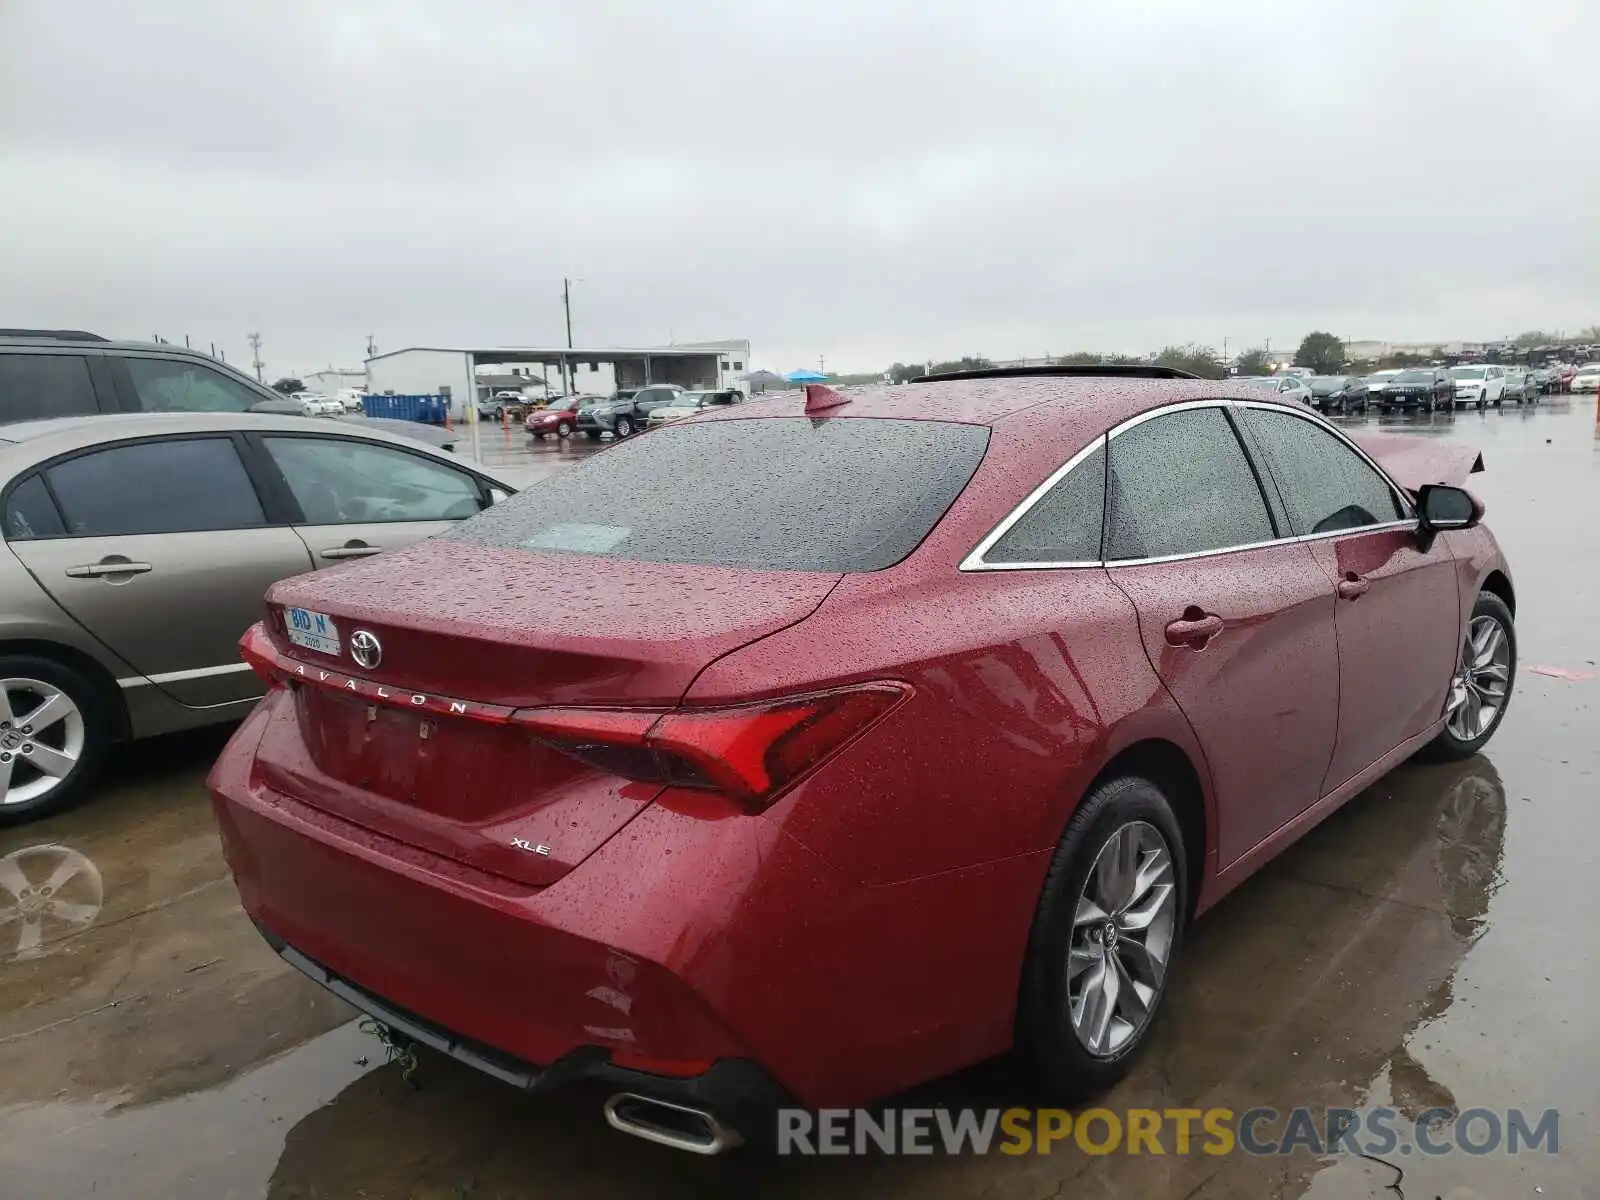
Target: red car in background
(559,419)
(955,704)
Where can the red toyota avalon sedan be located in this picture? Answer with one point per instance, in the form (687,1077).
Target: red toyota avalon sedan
(890,733)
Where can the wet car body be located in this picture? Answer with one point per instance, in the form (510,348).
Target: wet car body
(410,832)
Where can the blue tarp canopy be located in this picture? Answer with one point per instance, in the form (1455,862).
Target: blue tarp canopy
(803,376)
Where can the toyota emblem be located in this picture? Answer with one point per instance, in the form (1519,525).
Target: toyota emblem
(366,649)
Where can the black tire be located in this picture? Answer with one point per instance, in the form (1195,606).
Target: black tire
(98,716)
(1482,399)
(624,427)
(563,429)
(1450,745)
(1064,1066)
(592,434)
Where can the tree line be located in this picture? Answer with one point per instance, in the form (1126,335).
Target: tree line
(1320,351)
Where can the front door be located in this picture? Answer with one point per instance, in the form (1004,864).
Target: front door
(160,549)
(1238,624)
(1397,609)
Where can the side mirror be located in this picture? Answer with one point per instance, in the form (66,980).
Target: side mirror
(1444,507)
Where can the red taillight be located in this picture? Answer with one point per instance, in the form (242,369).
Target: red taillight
(256,650)
(749,751)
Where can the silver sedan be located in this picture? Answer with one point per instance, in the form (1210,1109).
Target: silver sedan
(138,550)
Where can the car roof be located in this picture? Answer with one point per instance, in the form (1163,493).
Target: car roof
(23,443)
(1083,402)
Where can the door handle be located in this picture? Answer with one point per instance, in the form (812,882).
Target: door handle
(1352,586)
(352,550)
(1195,631)
(108,567)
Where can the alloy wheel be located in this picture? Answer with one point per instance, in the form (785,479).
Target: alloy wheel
(1478,691)
(41,739)
(1122,933)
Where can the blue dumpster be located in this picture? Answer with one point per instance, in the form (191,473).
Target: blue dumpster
(429,409)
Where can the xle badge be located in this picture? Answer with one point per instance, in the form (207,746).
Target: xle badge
(531,847)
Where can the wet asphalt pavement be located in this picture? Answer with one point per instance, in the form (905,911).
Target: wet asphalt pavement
(1430,945)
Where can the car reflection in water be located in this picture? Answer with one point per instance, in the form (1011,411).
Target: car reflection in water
(48,894)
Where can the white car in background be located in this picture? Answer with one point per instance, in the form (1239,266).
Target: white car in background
(1587,379)
(316,404)
(1479,386)
(689,403)
(351,399)
(1287,387)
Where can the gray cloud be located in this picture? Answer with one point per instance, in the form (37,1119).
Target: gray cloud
(865,182)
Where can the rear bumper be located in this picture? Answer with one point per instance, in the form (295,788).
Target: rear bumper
(679,943)
(737,1090)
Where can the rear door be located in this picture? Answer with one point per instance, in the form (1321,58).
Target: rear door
(162,549)
(1237,621)
(353,498)
(1398,609)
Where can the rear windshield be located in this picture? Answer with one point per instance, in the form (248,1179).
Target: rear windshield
(775,494)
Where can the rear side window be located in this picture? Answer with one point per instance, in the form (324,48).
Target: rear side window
(156,487)
(1063,527)
(45,385)
(1181,484)
(773,494)
(1325,485)
(30,513)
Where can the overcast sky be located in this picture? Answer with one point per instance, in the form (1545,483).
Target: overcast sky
(868,182)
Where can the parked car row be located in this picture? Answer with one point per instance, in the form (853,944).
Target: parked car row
(1425,389)
(625,412)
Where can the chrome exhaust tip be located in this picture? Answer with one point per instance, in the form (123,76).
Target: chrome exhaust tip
(665,1123)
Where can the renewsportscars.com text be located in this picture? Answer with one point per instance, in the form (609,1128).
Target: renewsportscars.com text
(1375,1132)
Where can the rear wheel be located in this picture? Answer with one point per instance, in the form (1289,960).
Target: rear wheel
(54,730)
(1107,930)
(1480,689)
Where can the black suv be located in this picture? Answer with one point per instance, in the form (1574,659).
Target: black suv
(69,373)
(1427,388)
(626,410)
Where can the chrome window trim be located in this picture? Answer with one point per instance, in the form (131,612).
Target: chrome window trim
(1112,564)
(974,560)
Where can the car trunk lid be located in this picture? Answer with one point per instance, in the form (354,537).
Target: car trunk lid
(417,745)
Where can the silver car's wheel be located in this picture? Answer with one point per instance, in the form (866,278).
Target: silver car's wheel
(1121,938)
(41,739)
(1482,679)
